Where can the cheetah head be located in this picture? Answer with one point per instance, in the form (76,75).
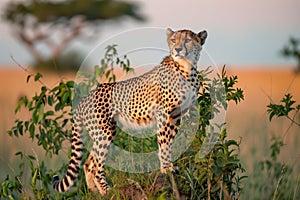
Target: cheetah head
(185,45)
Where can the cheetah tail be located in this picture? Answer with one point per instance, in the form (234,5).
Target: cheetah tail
(75,161)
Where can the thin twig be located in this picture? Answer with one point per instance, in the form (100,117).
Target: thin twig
(27,71)
(174,187)
(292,123)
(292,119)
(278,182)
(226,193)
(296,187)
(291,83)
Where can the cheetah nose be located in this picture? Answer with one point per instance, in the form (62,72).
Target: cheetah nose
(178,49)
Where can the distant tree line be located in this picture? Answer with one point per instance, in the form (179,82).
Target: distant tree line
(292,50)
(53,25)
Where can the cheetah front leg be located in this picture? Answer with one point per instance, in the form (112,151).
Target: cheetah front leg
(167,130)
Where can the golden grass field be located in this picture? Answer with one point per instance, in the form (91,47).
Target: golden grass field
(247,121)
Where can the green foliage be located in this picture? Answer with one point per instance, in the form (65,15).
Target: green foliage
(292,50)
(50,115)
(105,70)
(62,11)
(217,175)
(64,62)
(11,189)
(285,109)
(39,181)
(232,93)
(273,179)
(55,24)
(49,124)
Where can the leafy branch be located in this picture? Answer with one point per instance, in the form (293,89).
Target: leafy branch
(232,93)
(284,109)
(49,123)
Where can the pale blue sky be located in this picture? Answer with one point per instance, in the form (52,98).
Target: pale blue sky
(241,32)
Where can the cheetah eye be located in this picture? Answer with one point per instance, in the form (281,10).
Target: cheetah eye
(173,40)
(187,40)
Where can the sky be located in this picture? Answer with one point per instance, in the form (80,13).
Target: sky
(240,32)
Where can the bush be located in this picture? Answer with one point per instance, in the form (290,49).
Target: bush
(272,178)
(67,61)
(215,175)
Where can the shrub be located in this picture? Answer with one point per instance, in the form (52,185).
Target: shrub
(272,178)
(215,175)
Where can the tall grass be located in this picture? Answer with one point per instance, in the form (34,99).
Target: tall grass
(218,175)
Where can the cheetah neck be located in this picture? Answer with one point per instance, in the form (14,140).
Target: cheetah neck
(183,66)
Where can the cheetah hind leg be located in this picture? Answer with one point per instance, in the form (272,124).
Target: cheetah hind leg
(95,171)
(100,150)
(89,170)
(94,183)
(92,180)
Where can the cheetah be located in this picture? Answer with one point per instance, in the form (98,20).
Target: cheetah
(160,96)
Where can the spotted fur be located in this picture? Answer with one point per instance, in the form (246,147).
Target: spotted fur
(160,96)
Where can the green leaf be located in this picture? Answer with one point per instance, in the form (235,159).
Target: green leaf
(217,171)
(28,78)
(65,97)
(70,84)
(231,142)
(50,100)
(20,127)
(107,73)
(34,116)
(49,113)
(219,162)
(37,76)
(31,130)
(40,113)
(22,101)
(33,179)
(58,106)
(162,196)
(19,153)
(31,157)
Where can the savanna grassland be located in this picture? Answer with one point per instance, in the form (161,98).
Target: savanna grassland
(247,122)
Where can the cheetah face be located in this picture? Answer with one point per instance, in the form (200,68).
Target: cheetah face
(185,45)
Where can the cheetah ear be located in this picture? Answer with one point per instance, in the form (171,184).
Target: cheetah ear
(202,35)
(169,32)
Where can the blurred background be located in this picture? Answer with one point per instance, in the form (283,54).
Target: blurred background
(240,32)
(257,40)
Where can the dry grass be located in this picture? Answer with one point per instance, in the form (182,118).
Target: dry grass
(247,120)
